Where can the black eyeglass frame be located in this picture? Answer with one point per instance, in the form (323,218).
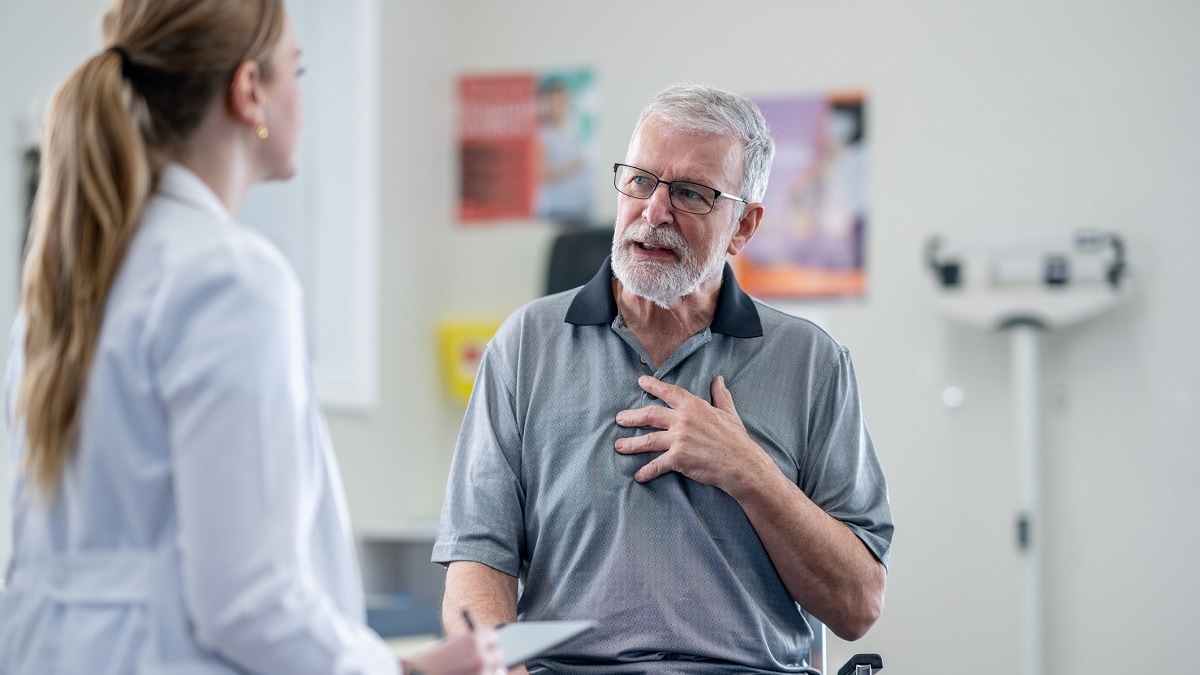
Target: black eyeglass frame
(717,194)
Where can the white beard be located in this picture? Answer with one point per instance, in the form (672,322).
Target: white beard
(660,282)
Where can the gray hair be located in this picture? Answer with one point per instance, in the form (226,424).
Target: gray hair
(700,109)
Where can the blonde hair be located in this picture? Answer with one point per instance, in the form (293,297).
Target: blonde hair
(108,131)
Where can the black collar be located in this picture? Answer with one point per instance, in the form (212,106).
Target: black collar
(736,314)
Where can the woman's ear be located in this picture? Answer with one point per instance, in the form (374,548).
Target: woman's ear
(245,99)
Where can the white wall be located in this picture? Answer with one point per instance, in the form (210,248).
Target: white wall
(982,116)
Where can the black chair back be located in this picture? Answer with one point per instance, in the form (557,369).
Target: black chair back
(575,257)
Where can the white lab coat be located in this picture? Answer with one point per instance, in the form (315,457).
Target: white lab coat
(201,525)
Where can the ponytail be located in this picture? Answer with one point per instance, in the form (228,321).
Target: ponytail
(108,130)
(95,179)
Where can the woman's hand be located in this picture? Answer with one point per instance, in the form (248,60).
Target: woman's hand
(472,653)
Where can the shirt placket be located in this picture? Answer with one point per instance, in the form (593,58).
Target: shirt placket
(673,361)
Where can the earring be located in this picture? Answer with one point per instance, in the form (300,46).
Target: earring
(261,131)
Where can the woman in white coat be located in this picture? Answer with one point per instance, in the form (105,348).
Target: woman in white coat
(177,504)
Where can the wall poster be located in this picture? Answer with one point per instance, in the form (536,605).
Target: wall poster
(812,239)
(527,146)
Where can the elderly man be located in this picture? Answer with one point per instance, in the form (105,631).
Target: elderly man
(658,451)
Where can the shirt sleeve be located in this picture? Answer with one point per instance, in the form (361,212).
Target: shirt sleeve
(842,473)
(232,371)
(481,517)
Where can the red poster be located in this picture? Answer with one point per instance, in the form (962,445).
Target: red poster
(498,146)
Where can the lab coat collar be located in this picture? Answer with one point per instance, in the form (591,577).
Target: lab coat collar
(180,183)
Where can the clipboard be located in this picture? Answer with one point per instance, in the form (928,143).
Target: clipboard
(524,640)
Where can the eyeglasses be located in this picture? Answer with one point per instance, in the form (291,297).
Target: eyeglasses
(685,196)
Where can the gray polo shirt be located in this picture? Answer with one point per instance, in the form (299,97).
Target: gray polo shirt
(672,569)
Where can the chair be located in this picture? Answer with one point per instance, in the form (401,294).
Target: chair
(859,664)
(575,257)
(816,652)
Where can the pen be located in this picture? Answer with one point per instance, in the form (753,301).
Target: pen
(470,621)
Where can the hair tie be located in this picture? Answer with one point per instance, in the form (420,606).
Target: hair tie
(126,62)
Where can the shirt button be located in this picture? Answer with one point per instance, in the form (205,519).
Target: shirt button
(643,360)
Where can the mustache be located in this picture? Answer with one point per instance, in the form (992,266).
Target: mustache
(658,237)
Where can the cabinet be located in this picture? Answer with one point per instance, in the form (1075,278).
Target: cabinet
(403,588)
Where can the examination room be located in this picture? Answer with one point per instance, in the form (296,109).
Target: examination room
(993,209)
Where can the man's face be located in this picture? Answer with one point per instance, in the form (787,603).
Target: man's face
(659,252)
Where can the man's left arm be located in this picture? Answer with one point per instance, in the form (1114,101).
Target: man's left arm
(823,563)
